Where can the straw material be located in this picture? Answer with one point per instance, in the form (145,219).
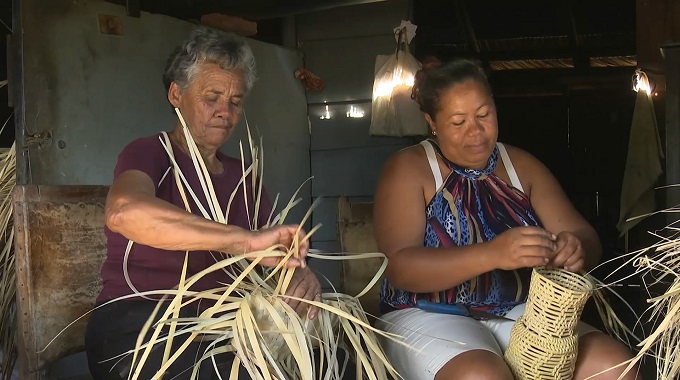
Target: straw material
(536,357)
(543,343)
(7,271)
(249,317)
(659,266)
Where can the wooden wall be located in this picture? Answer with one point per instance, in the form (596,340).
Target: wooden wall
(340,46)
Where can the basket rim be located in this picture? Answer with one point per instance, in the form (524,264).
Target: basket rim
(541,270)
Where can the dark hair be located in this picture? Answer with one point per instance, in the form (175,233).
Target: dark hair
(209,46)
(428,88)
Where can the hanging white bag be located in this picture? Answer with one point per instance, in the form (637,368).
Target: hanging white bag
(393,112)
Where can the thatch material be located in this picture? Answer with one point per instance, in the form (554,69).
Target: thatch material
(250,317)
(7,272)
(661,264)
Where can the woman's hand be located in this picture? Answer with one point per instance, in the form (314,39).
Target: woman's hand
(278,235)
(523,247)
(569,253)
(305,285)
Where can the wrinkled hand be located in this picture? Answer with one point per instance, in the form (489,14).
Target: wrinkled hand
(523,247)
(569,253)
(278,235)
(305,285)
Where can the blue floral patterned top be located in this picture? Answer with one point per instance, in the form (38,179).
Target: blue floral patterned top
(473,206)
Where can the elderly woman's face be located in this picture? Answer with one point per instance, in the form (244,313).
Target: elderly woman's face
(211,105)
(466,124)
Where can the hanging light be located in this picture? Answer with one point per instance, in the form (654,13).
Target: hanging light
(641,82)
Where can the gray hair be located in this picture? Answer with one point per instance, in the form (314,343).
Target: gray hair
(208,46)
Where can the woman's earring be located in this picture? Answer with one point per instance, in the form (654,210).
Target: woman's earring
(434,133)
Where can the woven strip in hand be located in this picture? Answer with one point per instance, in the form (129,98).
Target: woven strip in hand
(548,349)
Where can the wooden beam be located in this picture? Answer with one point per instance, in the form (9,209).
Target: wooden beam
(16,89)
(464,19)
(580,57)
(284,8)
(671,54)
(658,22)
(133,9)
(576,42)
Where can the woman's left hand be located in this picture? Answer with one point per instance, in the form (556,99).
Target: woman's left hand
(569,253)
(305,285)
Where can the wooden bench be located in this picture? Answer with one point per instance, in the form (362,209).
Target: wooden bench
(59,250)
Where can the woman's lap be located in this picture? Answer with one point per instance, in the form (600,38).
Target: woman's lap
(114,329)
(434,339)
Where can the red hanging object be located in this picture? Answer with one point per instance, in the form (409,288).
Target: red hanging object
(309,80)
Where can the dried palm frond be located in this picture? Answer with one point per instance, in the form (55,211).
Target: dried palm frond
(250,316)
(661,263)
(7,272)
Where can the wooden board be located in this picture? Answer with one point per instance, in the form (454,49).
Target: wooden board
(60,246)
(355,231)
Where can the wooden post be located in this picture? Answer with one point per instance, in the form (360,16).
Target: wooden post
(671,55)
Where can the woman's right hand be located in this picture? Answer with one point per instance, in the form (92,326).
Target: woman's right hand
(278,235)
(522,247)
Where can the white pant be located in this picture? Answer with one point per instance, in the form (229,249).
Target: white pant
(434,339)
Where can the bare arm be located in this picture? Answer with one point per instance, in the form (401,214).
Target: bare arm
(553,207)
(399,219)
(133,210)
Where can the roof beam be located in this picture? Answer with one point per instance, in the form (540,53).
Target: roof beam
(133,9)
(464,19)
(575,40)
(581,58)
(289,8)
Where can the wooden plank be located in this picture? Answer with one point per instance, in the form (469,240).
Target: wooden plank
(672,59)
(355,232)
(327,271)
(341,132)
(350,172)
(327,214)
(346,66)
(60,246)
(658,21)
(352,21)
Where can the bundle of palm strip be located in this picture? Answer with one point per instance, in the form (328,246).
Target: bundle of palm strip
(660,263)
(7,272)
(250,316)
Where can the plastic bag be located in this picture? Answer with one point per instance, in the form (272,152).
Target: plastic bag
(393,112)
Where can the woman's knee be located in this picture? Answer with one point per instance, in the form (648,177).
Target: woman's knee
(475,364)
(601,354)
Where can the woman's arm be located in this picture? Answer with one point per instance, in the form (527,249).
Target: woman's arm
(133,210)
(578,244)
(399,223)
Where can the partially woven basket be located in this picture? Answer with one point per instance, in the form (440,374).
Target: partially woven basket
(543,343)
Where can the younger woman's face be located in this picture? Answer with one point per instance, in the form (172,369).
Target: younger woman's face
(465,124)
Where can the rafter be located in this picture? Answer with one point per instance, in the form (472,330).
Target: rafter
(464,19)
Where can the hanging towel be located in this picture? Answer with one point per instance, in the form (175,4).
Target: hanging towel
(643,165)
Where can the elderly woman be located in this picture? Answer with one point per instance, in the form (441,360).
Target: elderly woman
(207,79)
(463,219)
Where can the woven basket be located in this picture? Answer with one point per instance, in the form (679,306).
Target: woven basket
(543,343)
(536,357)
